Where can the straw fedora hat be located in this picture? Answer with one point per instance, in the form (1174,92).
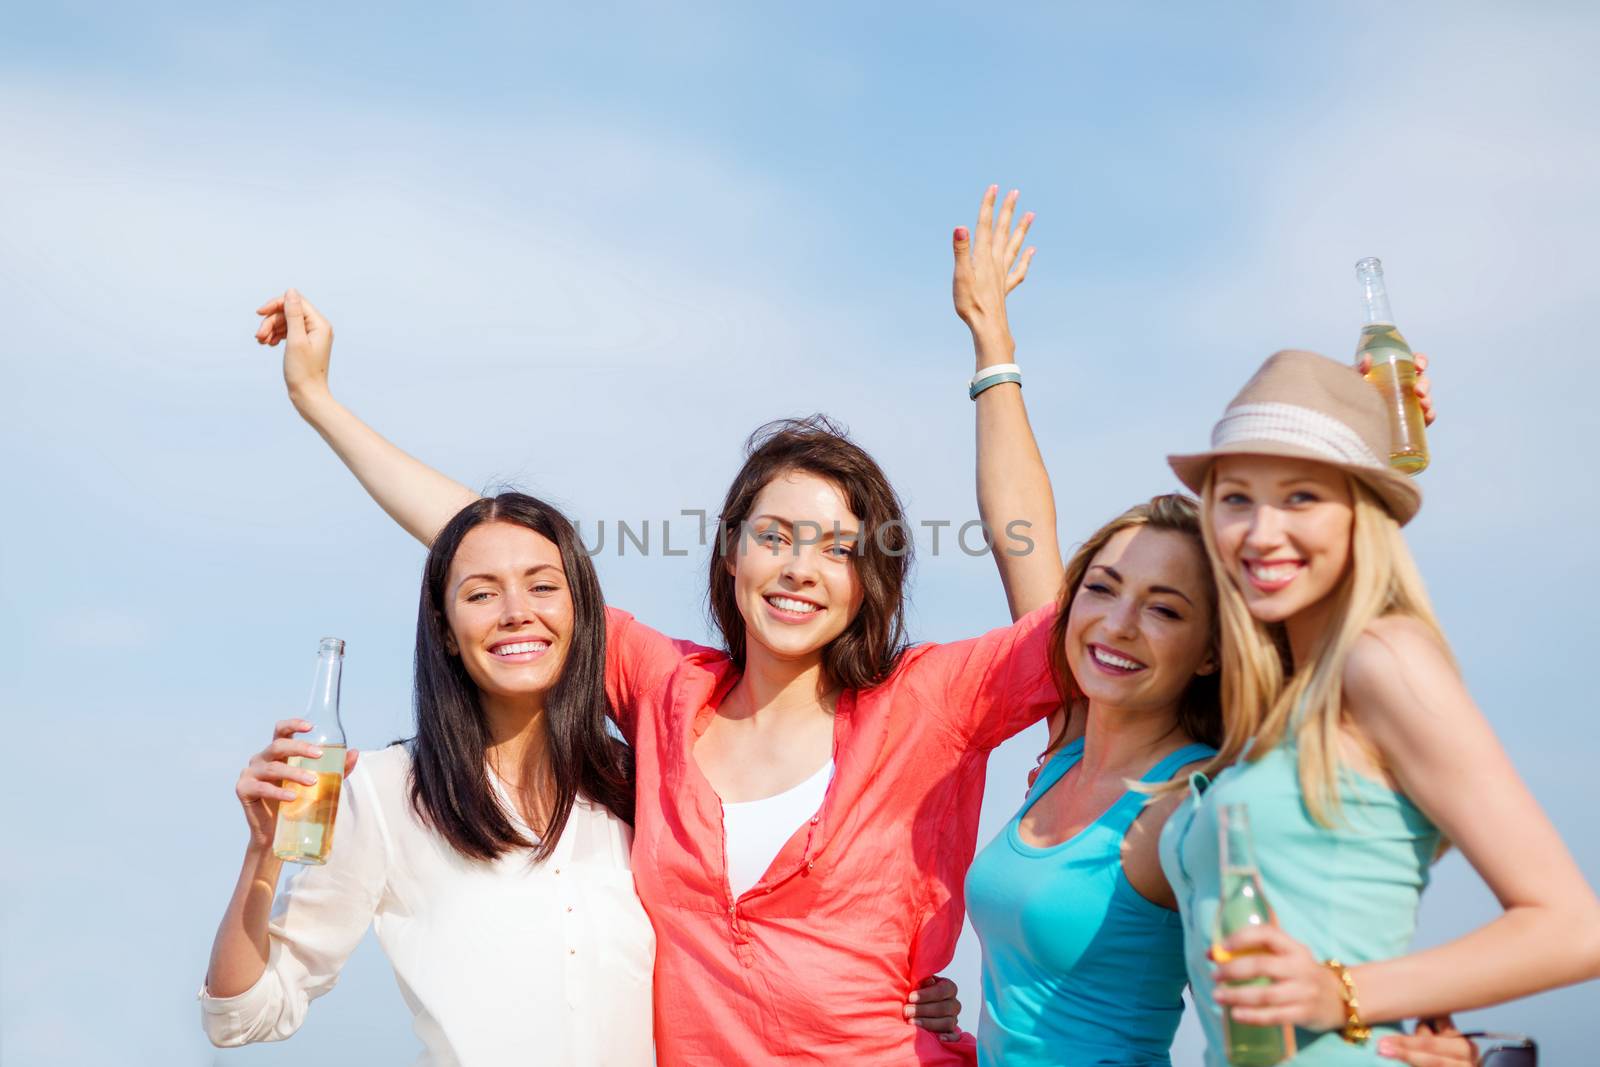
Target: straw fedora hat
(1306,406)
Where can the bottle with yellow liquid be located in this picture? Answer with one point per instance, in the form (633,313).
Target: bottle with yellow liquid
(1241,906)
(305,824)
(1393,373)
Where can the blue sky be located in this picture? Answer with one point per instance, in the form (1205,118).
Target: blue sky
(586,251)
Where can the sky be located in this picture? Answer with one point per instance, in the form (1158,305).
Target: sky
(585,250)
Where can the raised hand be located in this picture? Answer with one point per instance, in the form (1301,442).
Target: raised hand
(262,784)
(310,336)
(988,267)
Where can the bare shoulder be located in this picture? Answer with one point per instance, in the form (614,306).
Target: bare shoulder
(1391,650)
(1160,809)
(1141,846)
(1399,672)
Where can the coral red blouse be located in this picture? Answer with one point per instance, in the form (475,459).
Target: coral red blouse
(813,963)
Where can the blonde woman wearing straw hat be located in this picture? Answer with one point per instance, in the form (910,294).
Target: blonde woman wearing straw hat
(1350,736)
(1083,947)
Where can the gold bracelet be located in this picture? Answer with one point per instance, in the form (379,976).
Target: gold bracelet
(1354,1031)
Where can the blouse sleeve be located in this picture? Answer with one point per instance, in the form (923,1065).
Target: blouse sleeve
(988,688)
(317,921)
(638,662)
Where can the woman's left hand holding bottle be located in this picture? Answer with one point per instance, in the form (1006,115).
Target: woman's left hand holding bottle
(263,783)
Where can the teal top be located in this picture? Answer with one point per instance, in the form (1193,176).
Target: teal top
(1078,967)
(1349,892)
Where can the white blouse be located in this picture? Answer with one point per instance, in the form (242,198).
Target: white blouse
(501,963)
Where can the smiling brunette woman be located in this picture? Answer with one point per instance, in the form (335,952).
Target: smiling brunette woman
(1349,735)
(808,795)
(491,853)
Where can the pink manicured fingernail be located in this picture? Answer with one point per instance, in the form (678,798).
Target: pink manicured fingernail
(1386,1048)
(961,233)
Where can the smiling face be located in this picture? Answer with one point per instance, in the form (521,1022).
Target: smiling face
(1139,626)
(508,610)
(794,573)
(1282,530)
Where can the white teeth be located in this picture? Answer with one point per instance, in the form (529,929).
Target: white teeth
(521,647)
(1112,660)
(784,603)
(1273,573)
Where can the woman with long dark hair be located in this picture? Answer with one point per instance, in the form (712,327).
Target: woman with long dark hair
(491,851)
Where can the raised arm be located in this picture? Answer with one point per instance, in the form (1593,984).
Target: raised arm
(415,495)
(1014,496)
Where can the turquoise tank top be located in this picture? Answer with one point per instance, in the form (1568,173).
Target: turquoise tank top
(1078,967)
(1348,892)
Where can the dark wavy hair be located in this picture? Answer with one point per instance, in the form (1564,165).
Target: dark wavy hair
(1200,707)
(450,787)
(866,652)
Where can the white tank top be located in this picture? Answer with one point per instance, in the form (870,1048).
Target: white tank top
(758,829)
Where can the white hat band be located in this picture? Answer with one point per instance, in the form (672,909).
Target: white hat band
(1291,424)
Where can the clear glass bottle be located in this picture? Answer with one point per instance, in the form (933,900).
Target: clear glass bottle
(1243,904)
(305,824)
(1393,373)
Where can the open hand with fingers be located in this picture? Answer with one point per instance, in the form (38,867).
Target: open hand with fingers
(310,337)
(990,263)
(263,782)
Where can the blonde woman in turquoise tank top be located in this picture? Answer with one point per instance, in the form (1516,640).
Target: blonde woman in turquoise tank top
(1082,941)
(1351,739)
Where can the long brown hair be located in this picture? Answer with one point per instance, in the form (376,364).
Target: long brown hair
(866,652)
(450,786)
(1200,707)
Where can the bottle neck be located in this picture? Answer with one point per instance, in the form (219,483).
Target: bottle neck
(322,710)
(1374,296)
(1238,851)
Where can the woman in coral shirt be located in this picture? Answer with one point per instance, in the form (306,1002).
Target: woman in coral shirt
(815,753)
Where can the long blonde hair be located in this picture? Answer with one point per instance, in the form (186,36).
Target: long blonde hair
(1262,688)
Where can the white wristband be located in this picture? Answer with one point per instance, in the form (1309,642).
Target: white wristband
(989,372)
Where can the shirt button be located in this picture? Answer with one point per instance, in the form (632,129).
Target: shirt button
(814,820)
(572,952)
(558,870)
(569,908)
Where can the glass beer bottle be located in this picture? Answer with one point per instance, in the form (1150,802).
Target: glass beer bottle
(305,824)
(1242,905)
(1393,373)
